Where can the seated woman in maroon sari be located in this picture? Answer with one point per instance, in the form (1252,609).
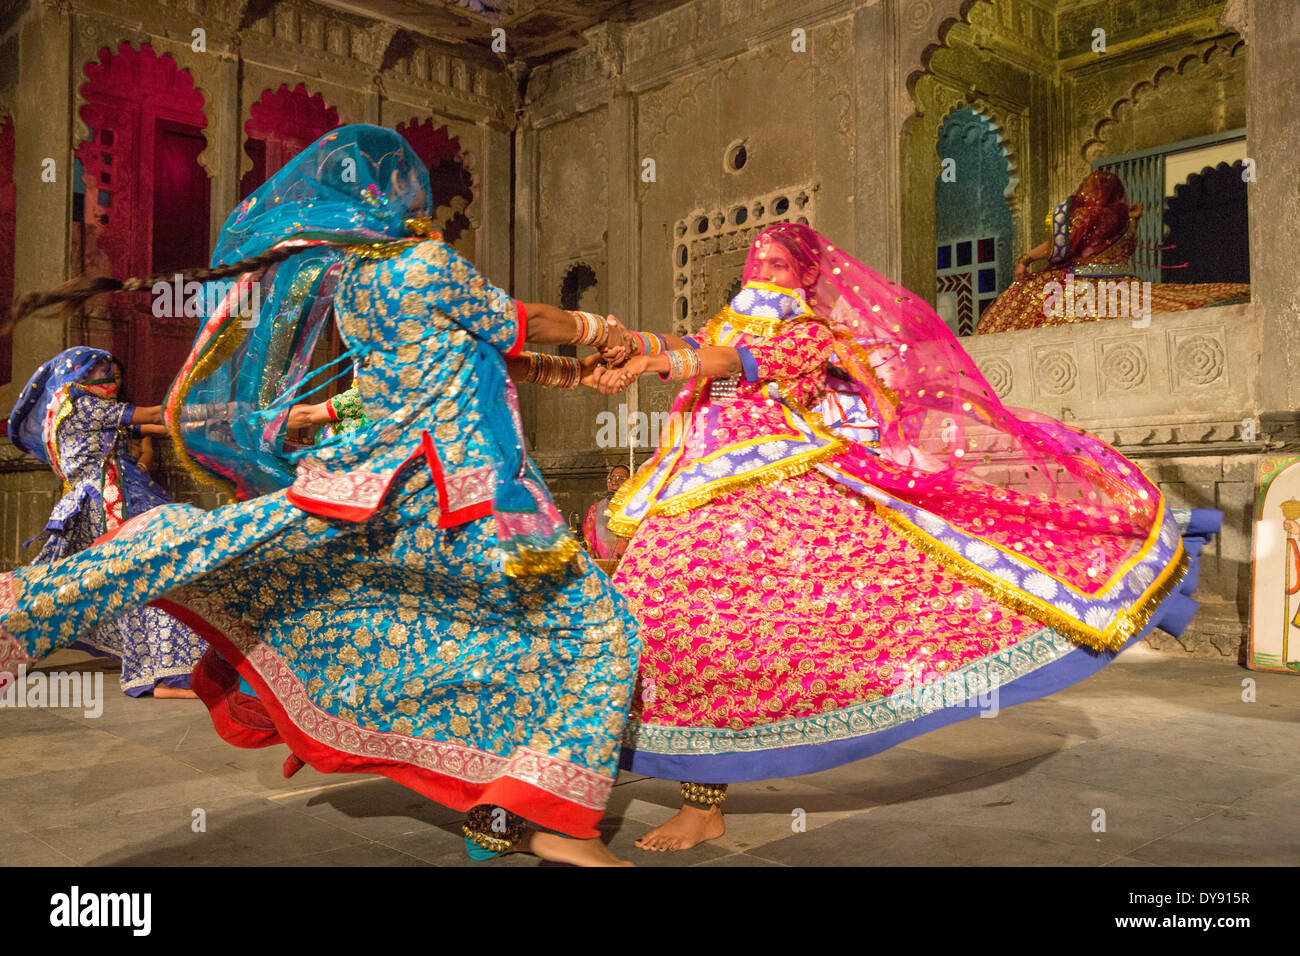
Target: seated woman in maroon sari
(1093,235)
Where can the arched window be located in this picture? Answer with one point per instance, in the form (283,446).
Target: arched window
(450,181)
(972,219)
(1207,231)
(280,125)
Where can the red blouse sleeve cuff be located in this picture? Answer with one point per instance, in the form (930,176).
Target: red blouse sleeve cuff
(329,410)
(521,329)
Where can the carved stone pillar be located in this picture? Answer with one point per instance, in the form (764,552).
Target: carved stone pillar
(226,136)
(877,214)
(525,271)
(622,219)
(1273,142)
(42,132)
(492,194)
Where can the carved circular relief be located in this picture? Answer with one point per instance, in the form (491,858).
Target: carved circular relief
(1092,97)
(1056,372)
(918,14)
(1199,360)
(998,372)
(1125,366)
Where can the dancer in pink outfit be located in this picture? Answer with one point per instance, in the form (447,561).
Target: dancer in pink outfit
(850,541)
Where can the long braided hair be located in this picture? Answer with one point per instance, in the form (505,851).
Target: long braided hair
(73,293)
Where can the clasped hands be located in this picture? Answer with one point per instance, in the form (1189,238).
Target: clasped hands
(613,367)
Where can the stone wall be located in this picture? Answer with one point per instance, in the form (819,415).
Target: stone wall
(1173,397)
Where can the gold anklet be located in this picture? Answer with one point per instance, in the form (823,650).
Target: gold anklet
(706,795)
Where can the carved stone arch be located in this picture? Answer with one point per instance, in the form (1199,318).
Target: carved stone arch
(94,44)
(437,148)
(121,85)
(286,120)
(1172,70)
(473,210)
(997,123)
(147,208)
(920,12)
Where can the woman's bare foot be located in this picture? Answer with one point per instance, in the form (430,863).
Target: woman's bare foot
(562,849)
(162,690)
(691,826)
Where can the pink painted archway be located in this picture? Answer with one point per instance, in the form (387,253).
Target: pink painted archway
(449,179)
(280,125)
(147,201)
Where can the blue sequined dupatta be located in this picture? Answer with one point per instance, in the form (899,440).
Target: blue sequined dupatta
(358,191)
(228,406)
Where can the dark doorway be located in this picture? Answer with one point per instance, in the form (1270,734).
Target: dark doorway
(1206,224)
(180,210)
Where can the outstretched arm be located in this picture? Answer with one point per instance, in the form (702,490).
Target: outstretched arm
(716,361)
(548,325)
(147,415)
(795,352)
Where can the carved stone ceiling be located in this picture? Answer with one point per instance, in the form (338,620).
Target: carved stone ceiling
(536,30)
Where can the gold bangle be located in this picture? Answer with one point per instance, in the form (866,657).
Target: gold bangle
(682,363)
(555,371)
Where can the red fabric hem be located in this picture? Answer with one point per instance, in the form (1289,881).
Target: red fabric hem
(521,329)
(354,513)
(446,517)
(240,719)
(528,801)
(333,509)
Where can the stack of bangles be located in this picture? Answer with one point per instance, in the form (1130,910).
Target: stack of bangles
(682,363)
(591,329)
(646,343)
(588,329)
(556,371)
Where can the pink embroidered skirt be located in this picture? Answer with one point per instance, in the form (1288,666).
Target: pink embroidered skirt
(788,628)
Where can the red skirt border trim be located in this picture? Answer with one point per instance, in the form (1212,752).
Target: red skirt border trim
(468,778)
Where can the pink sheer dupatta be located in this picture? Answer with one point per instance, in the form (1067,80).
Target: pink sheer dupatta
(1051,520)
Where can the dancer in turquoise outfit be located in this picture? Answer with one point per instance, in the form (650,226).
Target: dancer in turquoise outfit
(402,598)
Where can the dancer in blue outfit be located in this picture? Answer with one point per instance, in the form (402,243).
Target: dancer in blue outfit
(403,598)
(69,417)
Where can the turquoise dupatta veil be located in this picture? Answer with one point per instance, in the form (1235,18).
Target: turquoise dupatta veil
(227,407)
(357,186)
